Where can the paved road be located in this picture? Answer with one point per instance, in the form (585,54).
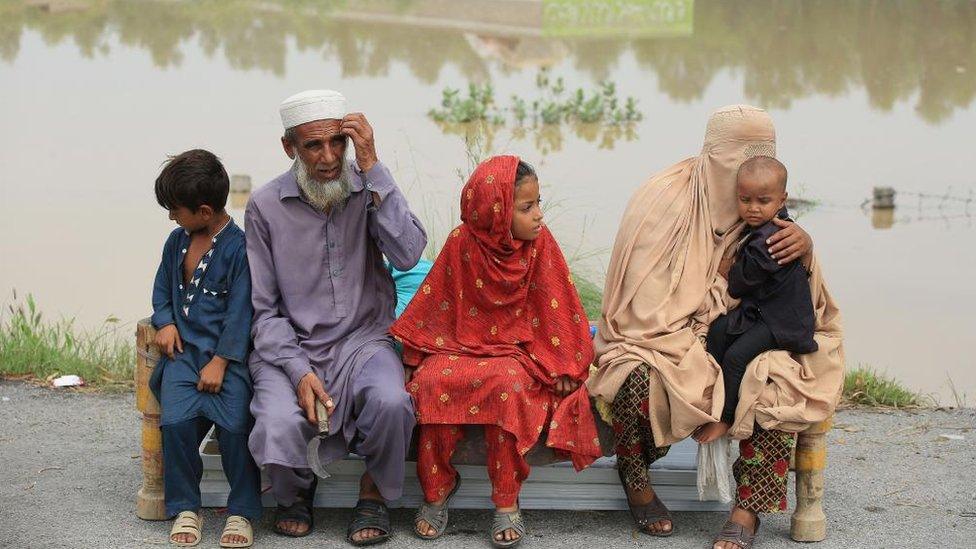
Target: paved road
(69,470)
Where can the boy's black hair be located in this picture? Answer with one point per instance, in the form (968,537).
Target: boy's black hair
(524,170)
(192,179)
(766,164)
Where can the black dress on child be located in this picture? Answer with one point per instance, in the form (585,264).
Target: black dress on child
(775,311)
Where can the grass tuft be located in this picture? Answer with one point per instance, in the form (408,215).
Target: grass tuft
(34,348)
(590,294)
(864,386)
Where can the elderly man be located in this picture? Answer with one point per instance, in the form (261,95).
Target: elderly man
(323,301)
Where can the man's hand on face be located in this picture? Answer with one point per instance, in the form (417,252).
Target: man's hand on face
(309,390)
(356,127)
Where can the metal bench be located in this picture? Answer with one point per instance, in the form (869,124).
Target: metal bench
(550,486)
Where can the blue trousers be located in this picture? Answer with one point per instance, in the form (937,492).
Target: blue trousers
(183,469)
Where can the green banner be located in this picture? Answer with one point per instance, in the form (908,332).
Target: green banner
(624,18)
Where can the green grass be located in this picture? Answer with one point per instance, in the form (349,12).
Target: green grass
(590,294)
(33,347)
(864,386)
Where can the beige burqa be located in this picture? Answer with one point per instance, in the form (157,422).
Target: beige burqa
(663,289)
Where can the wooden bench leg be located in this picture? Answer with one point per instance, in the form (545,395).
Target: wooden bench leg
(809,522)
(149,500)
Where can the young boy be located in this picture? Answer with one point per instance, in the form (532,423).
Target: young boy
(202,311)
(775,309)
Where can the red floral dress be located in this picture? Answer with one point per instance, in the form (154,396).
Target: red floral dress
(495,323)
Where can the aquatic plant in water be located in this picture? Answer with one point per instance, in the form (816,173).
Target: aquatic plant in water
(478,105)
(554,105)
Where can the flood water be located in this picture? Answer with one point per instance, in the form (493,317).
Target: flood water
(95,93)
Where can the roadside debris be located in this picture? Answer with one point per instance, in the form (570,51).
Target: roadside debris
(67,381)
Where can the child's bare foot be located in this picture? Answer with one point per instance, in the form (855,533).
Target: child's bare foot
(709,432)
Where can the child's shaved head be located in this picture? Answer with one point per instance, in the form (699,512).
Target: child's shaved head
(765,167)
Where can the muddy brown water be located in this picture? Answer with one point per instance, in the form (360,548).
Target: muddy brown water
(864,94)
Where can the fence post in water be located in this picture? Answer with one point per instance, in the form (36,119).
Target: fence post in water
(884,198)
(240,190)
(240,183)
(809,522)
(149,500)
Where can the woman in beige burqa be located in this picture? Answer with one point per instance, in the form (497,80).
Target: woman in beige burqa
(657,383)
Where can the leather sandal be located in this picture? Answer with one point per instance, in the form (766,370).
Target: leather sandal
(300,511)
(435,515)
(507,521)
(369,515)
(734,532)
(648,514)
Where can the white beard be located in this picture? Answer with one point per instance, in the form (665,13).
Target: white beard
(323,195)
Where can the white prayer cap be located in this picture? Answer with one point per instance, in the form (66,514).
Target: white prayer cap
(312,105)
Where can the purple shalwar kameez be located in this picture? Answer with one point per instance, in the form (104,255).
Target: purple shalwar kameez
(323,303)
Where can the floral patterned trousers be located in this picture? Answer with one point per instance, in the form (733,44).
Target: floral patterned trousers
(761,471)
(631,423)
(507,468)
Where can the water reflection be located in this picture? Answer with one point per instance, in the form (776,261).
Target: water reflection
(922,52)
(545,138)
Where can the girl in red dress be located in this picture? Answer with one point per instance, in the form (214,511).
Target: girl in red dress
(498,338)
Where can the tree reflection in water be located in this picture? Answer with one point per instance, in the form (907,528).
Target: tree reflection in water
(785,50)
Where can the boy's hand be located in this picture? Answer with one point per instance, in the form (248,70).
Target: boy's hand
(566,385)
(168,340)
(212,375)
(309,390)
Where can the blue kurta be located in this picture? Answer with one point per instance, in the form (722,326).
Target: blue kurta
(213,316)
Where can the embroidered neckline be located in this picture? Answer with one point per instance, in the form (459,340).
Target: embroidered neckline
(194,285)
